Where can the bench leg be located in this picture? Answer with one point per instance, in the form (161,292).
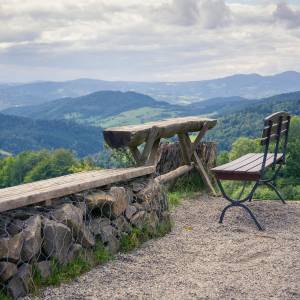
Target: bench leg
(274,188)
(239,203)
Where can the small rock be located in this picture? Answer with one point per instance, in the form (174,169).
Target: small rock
(137,186)
(82,206)
(165,217)
(4,225)
(32,238)
(108,232)
(57,240)
(96,224)
(130,211)
(16,288)
(44,268)
(15,227)
(7,270)
(122,225)
(10,248)
(98,199)
(151,222)
(25,273)
(113,245)
(74,252)
(138,206)
(150,195)
(111,204)
(85,237)
(72,216)
(21,283)
(120,200)
(69,215)
(138,220)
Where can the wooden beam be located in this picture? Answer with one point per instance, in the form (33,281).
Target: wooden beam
(135,135)
(201,134)
(172,175)
(44,190)
(203,174)
(136,154)
(155,154)
(152,137)
(184,149)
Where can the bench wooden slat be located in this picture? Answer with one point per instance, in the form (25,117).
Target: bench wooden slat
(232,165)
(247,167)
(75,183)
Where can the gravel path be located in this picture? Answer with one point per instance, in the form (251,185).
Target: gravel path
(202,259)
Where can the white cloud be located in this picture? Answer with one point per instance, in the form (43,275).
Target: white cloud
(287,15)
(146,40)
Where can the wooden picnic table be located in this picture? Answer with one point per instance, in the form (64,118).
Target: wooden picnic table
(133,136)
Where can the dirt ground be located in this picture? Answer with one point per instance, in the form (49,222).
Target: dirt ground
(202,259)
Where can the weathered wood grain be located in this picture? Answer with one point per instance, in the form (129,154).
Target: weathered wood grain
(134,135)
(174,174)
(40,191)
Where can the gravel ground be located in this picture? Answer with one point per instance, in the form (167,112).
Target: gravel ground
(202,259)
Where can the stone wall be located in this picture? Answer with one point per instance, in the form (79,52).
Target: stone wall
(32,237)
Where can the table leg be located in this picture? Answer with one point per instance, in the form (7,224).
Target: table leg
(190,153)
(136,154)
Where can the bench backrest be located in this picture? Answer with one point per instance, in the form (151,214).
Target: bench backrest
(276,129)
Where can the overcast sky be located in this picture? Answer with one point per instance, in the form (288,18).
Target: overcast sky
(149,40)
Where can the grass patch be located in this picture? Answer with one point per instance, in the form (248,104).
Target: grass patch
(138,236)
(186,187)
(3,295)
(84,262)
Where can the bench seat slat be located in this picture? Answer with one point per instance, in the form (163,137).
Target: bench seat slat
(247,167)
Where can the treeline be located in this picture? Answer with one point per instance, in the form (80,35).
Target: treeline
(31,166)
(20,134)
(35,165)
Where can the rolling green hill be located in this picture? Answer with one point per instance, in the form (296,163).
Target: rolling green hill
(102,109)
(19,134)
(236,117)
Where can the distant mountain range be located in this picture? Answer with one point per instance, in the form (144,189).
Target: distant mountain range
(109,108)
(252,86)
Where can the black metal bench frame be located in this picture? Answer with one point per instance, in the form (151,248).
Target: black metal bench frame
(276,128)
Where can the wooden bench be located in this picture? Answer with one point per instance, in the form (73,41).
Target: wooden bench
(151,134)
(44,190)
(253,166)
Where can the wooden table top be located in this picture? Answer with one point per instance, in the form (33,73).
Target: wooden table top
(134,135)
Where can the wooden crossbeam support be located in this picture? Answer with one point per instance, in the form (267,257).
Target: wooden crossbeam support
(201,134)
(136,154)
(184,149)
(172,175)
(154,154)
(152,137)
(189,152)
(203,174)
